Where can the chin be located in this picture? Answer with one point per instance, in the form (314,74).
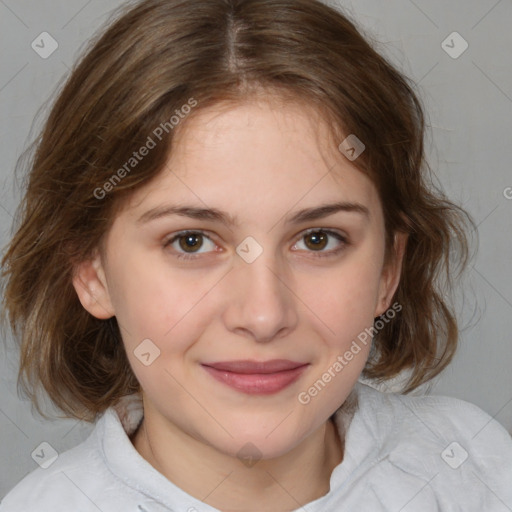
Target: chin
(254,445)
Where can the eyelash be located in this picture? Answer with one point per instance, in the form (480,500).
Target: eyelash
(318,254)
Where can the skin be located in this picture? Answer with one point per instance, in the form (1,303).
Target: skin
(260,161)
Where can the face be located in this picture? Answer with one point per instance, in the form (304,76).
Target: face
(227,255)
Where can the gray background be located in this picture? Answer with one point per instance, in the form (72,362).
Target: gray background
(469,102)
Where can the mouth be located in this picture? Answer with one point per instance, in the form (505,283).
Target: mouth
(254,377)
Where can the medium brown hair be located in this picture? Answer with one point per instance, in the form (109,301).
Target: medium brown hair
(153,58)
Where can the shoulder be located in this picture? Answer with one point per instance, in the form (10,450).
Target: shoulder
(441,416)
(44,487)
(441,440)
(435,411)
(73,480)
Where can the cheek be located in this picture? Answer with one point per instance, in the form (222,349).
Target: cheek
(169,308)
(145,305)
(345,299)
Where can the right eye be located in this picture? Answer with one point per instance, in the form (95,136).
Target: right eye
(187,244)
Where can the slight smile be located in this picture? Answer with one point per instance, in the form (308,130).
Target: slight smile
(256,378)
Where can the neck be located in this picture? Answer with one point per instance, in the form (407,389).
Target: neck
(284,483)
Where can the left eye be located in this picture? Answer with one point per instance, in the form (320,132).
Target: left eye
(316,240)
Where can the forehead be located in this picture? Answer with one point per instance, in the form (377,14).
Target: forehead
(264,154)
(257,130)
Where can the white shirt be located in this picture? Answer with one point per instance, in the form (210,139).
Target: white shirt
(402,454)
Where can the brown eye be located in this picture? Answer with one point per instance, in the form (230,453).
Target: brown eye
(316,240)
(190,242)
(322,242)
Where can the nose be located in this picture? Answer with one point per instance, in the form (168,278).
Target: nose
(261,303)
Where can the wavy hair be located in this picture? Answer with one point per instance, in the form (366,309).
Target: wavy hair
(150,60)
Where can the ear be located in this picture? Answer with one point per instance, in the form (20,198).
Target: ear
(391,272)
(91,287)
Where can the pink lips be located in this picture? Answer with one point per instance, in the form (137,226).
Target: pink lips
(253,377)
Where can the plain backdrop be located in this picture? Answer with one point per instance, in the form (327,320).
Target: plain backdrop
(467,93)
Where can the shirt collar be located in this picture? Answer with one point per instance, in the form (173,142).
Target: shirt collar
(121,421)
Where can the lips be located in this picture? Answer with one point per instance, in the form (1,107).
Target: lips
(247,367)
(254,377)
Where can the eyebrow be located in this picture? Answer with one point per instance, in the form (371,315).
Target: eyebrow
(215,215)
